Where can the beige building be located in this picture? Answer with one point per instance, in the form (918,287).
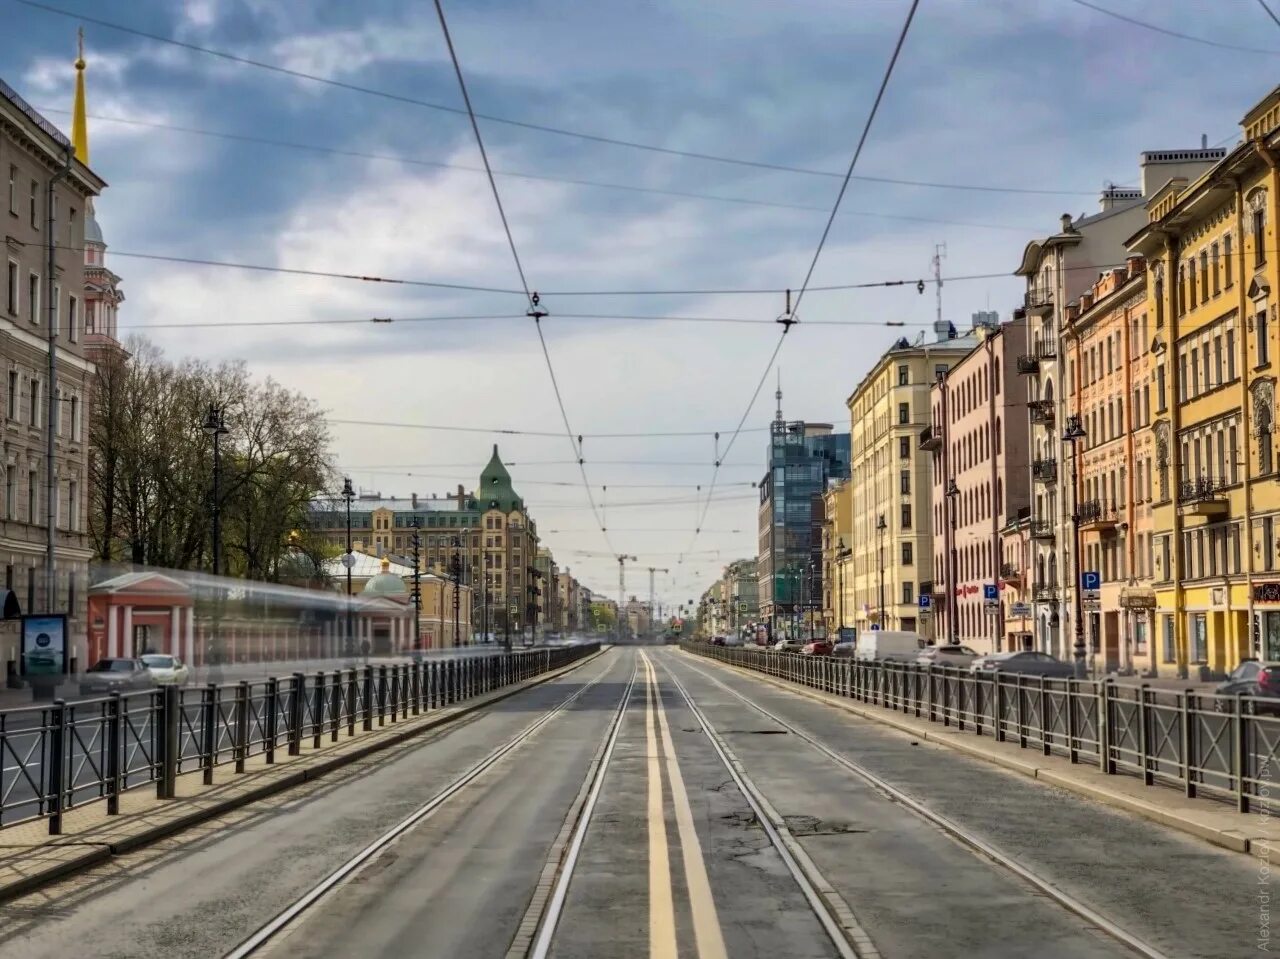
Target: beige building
(40,308)
(837,550)
(890,517)
(979,482)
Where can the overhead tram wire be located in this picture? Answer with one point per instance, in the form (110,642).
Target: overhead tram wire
(505,431)
(524,124)
(1270,13)
(538,177)
(1172,33)
(792,309)
(534,308)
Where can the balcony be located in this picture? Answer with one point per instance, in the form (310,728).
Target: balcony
(1028,364)
(1039,301)
(1044,593)
(929,440)
(1010,573)
(1096,514)
(1041,411)
(1205,496)
(1044,471)
(1041,529)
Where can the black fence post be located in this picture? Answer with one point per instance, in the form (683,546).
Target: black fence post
(114,783)
(209,706)
(1073,731)
(242,724)
(57,764)
(1103,691)
(335,704)
(1144,736)
(416,692)
(167,740)
(271,703)
(1240,748)
(1190,745)
(369,694)
(297,711)
(382,695)
(353,699)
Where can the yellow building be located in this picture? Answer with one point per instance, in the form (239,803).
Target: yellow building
(890,520)
(1212,249)
(837,548)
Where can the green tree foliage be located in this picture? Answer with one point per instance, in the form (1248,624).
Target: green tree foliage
(151,466)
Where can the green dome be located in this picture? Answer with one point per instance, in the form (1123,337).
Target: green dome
(385,583)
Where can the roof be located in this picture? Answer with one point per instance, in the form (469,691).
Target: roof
(366,567)
(92,232)
(142,581)
(496,491)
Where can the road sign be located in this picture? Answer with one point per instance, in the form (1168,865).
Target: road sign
(1091,601)
(990,597)
(1020,610)
(875,626)
(348,560)
(1091,579)
(926,601)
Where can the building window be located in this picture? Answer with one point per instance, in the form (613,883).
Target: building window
(34,418)
(33,486)
(13,394)
(11,288)
(904,413)
(33,297)
(1259,237)
(940,371)
(1226,257)
(904,375)
(906,516)
(1204,277)
(1217,272)
(33,206)
(1260,325)
(1231,355)
(1159,302)
(73,318)
(908,593)
(13,189)
(1191,286)
(904,447)
(1160,389)
(907,554)
(73,505)
(904,482)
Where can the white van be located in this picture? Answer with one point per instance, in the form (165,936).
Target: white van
(889,644)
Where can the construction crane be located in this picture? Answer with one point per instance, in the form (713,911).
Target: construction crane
(652,570)
(623,558)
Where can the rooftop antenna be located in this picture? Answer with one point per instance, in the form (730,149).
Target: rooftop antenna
(778,397)
(939,253)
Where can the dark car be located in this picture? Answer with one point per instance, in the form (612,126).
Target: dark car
(1251,678)
(819,647)
(1024,661)
(116,676)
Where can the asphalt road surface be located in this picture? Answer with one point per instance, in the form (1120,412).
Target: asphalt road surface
(712,831)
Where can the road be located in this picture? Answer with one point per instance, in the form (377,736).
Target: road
(670,857)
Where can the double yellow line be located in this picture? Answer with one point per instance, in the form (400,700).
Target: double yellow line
(662,923)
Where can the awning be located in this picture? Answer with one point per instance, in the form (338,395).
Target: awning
(1137,597)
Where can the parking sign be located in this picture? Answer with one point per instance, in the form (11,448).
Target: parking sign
(1091,579)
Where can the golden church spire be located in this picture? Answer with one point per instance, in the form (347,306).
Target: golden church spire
(79,120)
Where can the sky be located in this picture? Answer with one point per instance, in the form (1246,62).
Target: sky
(1032,105)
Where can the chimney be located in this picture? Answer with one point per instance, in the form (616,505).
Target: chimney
(1066,223)
(1134,264)
(461,496)
(1086,300)
(1204,141)
(413,498)
(942,329)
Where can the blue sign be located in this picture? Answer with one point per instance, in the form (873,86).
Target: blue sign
(875,626)
(925,600)
(989,591)
(1091,579)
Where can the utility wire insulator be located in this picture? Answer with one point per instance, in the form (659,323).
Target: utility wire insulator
(535,310)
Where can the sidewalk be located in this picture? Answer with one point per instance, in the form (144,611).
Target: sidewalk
(1257,833)
(30,857)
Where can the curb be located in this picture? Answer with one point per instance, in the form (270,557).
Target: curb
(102,852)
(1260,848)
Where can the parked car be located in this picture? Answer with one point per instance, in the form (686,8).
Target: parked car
(889,644)
(946,654)
(116,676)
(1024,661)
(786,646)
(844,649)
(717,640)
(818,647)
(1251,678)
(166,670)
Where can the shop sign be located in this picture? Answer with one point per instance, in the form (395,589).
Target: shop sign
(1266,592)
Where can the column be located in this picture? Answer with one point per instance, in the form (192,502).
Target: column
(113,630)
(175,632)
(189,635)
(126,640)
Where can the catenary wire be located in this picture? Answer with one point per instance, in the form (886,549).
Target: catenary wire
(523,124)
(520,432)
(1270,13)
(1172,33)
(826,232)
(530,296)
(539,177)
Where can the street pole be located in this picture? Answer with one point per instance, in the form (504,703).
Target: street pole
(215,427)
(1074,433)
(417,582)
(457,582)
(953,493)
(880,528)
(348,560)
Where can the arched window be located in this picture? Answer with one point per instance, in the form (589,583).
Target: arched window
(997,436)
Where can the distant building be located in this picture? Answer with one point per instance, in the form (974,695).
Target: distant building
(802,457)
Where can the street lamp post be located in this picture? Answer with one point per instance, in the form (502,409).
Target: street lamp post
(457,582)
(349,560)
(417,582)
(953,612)
(1073,434)
(881,526)
(842,553)
(215,427)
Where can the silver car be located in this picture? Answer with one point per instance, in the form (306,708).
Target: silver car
(1025,661)
(946,655)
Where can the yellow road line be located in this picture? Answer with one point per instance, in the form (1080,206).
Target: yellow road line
(706,922)
(662,919)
